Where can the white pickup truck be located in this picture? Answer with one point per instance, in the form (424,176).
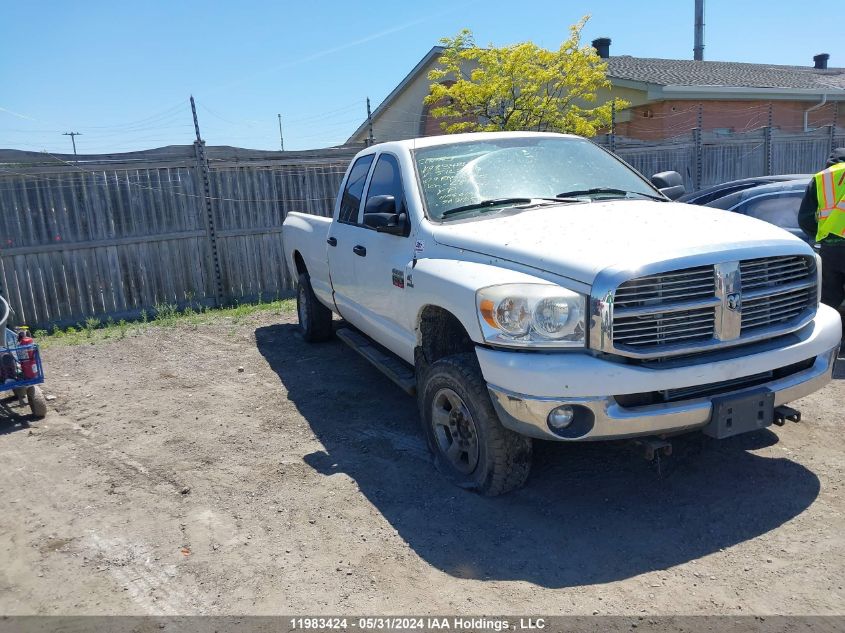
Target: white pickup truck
(533,286)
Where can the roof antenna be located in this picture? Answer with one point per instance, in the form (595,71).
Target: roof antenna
(698,48)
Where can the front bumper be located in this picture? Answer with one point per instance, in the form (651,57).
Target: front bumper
(525,387)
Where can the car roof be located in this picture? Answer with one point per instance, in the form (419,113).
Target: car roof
(751,182)
(731,200)
(448,139)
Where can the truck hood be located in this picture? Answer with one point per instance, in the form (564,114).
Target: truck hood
(578,240)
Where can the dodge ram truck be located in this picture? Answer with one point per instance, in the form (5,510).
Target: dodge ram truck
(533,286)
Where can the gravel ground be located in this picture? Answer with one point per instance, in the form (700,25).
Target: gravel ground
(166,481)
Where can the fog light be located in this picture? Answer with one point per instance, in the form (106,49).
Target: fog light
(561,417)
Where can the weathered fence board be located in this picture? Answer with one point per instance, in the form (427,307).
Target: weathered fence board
(98,236)
(728,157)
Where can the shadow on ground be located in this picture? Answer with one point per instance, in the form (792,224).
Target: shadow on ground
(13,416)
(590,513)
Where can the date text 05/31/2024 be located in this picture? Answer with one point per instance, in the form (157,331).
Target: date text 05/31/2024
(417,623)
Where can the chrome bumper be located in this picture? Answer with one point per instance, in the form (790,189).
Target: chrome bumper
(527,414)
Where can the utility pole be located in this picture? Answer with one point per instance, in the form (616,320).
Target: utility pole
(767,141)
(281,138)
(612,138)
(370,139)
(213,255)
(73,136)
(699,147)
(698,46)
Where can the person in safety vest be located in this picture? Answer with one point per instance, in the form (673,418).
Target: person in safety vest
(822,217)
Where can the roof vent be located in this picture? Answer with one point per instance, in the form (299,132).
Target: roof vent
(820,60)
(602,46)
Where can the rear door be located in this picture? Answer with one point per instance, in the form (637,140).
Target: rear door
(342,237)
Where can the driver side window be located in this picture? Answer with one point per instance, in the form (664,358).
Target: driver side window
(387,181)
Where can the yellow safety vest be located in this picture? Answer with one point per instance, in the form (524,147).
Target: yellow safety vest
(830,190)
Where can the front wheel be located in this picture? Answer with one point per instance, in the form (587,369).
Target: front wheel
(470,445)
(315,319)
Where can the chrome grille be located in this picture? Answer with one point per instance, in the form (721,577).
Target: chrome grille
(772,309)
(653,310)
(683,285)
(769,272)
(653,329)
(703,307)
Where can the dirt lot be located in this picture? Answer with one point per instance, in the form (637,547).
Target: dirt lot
(165,481)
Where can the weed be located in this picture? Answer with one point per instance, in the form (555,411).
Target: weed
(166,313)
(91,324)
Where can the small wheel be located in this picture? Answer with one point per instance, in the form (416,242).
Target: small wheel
(20,394)
(470,445)
(315,319)
(37,401)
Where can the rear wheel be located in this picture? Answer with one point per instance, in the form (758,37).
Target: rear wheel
(37,401)
(315,319)
(470,445)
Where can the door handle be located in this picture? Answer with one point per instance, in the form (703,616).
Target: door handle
(360,250)
(332,241)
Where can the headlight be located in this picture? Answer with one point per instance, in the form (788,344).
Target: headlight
(531,315)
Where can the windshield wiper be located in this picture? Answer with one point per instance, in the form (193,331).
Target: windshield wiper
(491,202)
(605,190)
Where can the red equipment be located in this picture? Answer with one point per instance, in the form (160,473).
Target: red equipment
(29,366)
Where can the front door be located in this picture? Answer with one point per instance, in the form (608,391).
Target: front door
(380,266)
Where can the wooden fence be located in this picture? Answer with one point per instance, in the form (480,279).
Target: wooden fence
(705,159)
(111,235)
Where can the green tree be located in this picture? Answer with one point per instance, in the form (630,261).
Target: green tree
(520,87)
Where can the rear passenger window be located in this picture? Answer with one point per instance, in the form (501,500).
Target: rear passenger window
(351,199)
(780,209)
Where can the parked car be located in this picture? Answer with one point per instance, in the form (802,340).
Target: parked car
(776,203)
(710,194)
(533,286)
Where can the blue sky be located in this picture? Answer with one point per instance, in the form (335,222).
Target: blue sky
(121,73)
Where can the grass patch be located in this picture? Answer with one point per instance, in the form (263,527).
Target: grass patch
(164,315)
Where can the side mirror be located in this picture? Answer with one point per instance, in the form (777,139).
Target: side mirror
(670,184)
(380,204)
(380,214)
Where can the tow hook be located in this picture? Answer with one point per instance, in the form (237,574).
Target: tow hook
(784,413)
(653,447)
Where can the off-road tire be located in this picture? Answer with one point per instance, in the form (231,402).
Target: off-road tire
(315,319)
(37,401)
(503,457)
(20,394)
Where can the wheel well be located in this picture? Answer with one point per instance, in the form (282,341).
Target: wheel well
(441,335)
(299,263)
